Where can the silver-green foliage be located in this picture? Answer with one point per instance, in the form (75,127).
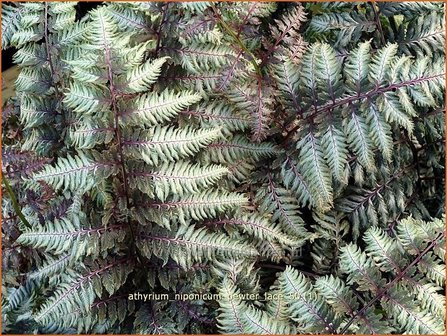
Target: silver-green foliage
(383,275)
(199,147)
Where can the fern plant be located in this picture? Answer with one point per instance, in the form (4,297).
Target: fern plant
(382,275)
(165,160)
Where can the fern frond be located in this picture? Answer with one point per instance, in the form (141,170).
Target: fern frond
(25,36)
(199,148)
(52,236)
(360,141)
(357,67)
(230,309)
(328,70)
(128,19)
(292,178)
(380,203)
(19,295)
(237,317)
(61,236)
(176,179)
(305,306)
(282,205)
(35,81)
(168,143)
(412,234)
(153,108)
(343,301)
(270,250)
(384,250)
(21,163)
(52,267)
(86,98)
(188,245)
(434,271)
(410,9)
(277,306)
(196,58)
(381,63)
(159,322)
(140,78)
(195,206)
(35,111)
(423,36)
(238,148)
(62,7)
(261,228)
(330,229)
(335,152)
(240,271)
(103,312)
(256,99)
(71,35)
(88,134)
(199,30)
(394,111)
(288,42)
(347,26)
(11,17)
(360,269)
(31,55)
(428,295)
(286,75)
(41,140)
(406,313)
(337,294)
(380,132)
(219,113)
(63,15)
(103,31)
(80,290)
(75,172)
(88,74)
(315,171)
(250,12)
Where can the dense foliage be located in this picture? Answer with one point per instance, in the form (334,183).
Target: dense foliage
(286,158)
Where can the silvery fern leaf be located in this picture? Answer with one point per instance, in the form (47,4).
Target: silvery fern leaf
(188,245)
(140,78)
(74,172)
(177,178)
(157,108)
(161,144)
